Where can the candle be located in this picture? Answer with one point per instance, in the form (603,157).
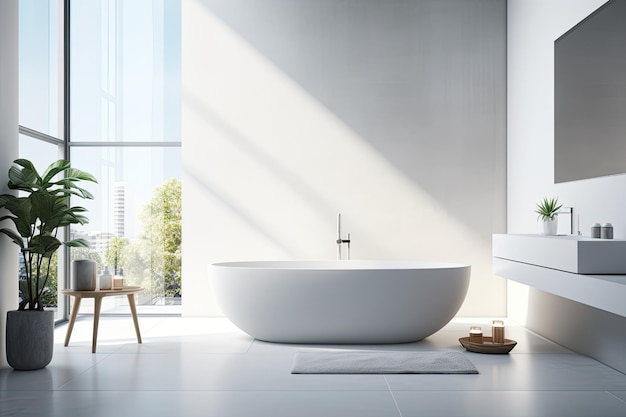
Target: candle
(118,283)
(476,334)
(497,335)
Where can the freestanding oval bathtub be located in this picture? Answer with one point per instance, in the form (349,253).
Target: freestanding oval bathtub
(344,302)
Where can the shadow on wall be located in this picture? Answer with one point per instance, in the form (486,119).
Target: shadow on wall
(247,146)
(421,82)
(289,178)
(245,217)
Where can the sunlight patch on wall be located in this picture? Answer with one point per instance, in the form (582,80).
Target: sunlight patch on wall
(267,167)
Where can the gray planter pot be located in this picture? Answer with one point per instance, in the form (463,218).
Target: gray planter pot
(30,339)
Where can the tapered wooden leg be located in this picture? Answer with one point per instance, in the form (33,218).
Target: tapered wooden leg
(133,310)
(96,320)
(70,326)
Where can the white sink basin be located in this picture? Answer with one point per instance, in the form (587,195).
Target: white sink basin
(577,254)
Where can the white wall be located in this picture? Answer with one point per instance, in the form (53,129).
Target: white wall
(8,152)
(390,112)
(533,25)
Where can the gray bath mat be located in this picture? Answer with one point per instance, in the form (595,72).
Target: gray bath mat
(381,362)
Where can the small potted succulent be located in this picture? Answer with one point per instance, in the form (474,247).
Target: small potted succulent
(548,211)
(37,213)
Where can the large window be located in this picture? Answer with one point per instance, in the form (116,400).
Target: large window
(119,119)
(125,129)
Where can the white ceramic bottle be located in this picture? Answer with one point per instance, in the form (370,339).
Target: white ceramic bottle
(106,279)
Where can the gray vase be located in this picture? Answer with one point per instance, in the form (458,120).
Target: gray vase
(84,275)
(30,339)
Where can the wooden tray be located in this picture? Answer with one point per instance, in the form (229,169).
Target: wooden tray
(488,346)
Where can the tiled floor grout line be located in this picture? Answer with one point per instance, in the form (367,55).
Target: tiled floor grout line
(393,397)
(89,369)
(152,327)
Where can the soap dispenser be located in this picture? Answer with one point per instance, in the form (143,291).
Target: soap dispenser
(106,279)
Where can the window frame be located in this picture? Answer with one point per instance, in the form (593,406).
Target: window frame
(65,144)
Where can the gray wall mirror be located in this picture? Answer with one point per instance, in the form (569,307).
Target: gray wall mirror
(590,96)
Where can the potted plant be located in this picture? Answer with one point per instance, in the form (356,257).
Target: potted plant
(37,213)
(548,210)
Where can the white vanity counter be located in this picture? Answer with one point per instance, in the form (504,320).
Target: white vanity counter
(590,271)
(577,254)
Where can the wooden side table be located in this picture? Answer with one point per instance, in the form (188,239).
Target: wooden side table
(98,295)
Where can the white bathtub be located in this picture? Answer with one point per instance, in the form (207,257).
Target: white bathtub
(355,302)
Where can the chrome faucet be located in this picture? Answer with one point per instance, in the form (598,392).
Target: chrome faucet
(570,211)
(340,240)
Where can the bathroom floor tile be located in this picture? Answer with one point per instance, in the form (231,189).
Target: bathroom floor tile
(520,372)
(61,370)
(213,372)
(190,345)
(208,367)
(198,403)
(113,333)
(159,335)
(189,326)
(509,403)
